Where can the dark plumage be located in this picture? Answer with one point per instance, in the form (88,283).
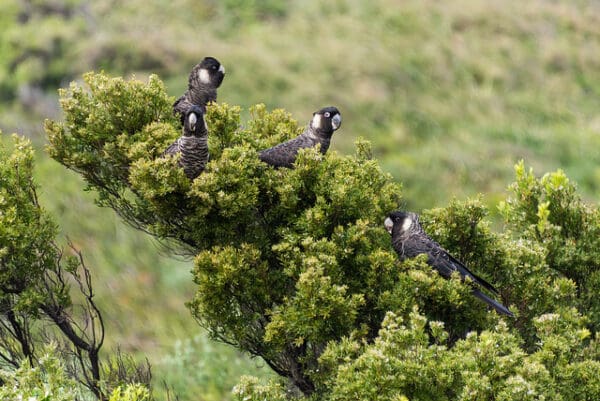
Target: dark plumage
(319,131)
(193,144)
(409,240)
(203,82)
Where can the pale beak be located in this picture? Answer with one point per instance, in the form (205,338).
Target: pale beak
(222,69)
(389,224)
(336,121)
(193,120)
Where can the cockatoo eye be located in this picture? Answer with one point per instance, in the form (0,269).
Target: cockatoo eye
(327,114)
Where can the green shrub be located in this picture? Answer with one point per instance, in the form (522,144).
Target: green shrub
(49,381)
(46,294)
(46,382)
(294,265)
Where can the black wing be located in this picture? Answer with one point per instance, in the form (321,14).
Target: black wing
(278,156)
(466,272)
(284,154)
(181,106)
(172,149)
(441,260)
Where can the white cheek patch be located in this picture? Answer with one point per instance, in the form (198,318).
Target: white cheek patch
(204,76)
(316,121)
(407,223)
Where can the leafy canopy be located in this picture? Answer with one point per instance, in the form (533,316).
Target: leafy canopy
(294,265)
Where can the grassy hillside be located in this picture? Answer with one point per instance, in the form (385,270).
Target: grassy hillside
(451,94)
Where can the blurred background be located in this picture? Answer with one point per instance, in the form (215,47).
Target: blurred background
(450,94)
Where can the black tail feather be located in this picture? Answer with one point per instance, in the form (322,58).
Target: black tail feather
(493,303)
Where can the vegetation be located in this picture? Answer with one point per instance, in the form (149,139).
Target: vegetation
(50,381)
(36,299)
(458,91)
(450,95)
(294,265)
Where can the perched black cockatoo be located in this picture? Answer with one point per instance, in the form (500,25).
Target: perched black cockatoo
(409,240)
(203,82)
(319,131)
(193,144)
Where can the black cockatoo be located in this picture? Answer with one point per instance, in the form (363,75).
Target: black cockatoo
(203,82)
(193,143)
(409,240)
(319,131)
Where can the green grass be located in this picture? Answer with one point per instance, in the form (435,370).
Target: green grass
(451,94)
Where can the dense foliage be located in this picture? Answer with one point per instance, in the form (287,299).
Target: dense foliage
(294,265)
(249,223)
(450,94)
(49,380)
(46,295)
